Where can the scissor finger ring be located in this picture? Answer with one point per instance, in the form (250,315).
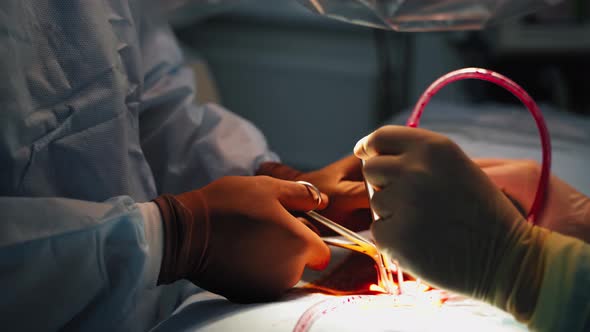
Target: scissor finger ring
(317,193)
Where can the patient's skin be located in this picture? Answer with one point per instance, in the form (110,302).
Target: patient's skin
(354,275)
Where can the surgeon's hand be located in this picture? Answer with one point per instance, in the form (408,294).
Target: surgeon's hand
(342,181)
(566,210)
(235,237)
(445,221)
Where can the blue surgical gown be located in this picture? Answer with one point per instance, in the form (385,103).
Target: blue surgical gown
(97,113)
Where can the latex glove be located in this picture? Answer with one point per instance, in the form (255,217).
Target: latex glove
(235,237)
(445,221)
(342,181)
(566,210)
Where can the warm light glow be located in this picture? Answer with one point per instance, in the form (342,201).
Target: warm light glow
(417,295)
(417,291)
(376,288)
(414,287)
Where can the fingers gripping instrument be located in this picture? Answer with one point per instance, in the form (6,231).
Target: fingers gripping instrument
(357,243)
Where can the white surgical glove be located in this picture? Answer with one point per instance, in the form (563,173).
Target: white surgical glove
(445,221)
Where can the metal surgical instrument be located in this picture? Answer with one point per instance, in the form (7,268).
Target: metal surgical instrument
(355,242)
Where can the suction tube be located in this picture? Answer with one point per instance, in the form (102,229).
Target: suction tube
(517,91)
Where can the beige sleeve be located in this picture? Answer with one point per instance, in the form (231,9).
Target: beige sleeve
(564,297)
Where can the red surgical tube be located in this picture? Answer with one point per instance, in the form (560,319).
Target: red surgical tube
(522,95)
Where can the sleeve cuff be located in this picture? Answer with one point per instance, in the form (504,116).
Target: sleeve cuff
(564,300)
(154,236)
(269,157)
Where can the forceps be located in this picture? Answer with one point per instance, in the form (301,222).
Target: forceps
(355,242)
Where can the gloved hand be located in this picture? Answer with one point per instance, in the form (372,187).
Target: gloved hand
(235,237)
(342,181)
(445,221)
(566,210)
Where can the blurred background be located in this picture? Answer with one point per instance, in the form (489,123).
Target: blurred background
(314,86)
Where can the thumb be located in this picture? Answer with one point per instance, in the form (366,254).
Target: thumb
(316,253)
(296,196)
(309,225)
(320,260)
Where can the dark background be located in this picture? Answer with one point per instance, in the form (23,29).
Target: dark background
(315,86)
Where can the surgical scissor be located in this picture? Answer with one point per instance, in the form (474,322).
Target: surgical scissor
(355,242)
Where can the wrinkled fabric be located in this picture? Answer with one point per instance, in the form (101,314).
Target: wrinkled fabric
(96,103)
(564,300)
(424,15)
(75,265)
